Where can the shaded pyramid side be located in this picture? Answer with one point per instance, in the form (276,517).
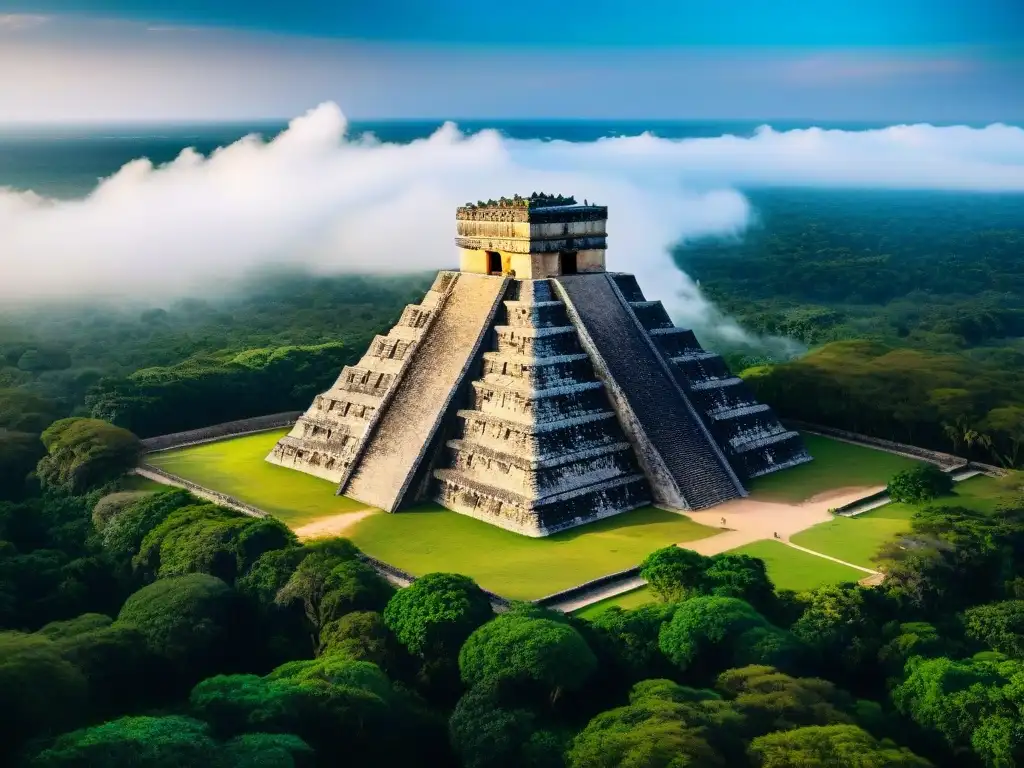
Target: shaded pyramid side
(538,448)
(748,433)
(329,436)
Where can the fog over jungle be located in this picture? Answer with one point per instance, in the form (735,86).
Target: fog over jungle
(316,198)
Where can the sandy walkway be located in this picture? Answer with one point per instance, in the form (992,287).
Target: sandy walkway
(749,520)
(333,525)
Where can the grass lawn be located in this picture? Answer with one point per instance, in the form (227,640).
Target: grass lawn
(858,539)
(137,483)
(632,599)
(431,538)
(434,539)
(836,465)
(236,467)
(790,568)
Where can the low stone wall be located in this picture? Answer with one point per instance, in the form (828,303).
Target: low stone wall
(160,476)
(854,505)
(582,590)
(220,431)
(403,578)
(945,461)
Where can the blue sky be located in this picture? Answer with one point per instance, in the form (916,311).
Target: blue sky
(871,60)
(818,23)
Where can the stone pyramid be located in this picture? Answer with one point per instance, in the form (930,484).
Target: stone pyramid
(536,391)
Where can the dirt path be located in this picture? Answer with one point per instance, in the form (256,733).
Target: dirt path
(746,521)
(749,520)
(332,525)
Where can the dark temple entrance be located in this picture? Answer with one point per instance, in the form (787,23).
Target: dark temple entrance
(493,263)
(567,262)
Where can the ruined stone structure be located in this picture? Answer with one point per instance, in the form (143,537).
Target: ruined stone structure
(536,391)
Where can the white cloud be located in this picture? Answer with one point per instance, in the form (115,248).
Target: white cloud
(17,22)
(315,198)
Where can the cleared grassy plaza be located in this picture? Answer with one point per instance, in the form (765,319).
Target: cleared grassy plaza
(858,539)
(236,467)
(430,538)
(836,465)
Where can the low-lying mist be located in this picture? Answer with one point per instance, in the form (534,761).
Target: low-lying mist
(317,199)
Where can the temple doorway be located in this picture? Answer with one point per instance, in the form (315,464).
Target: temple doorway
(567,263)
(493,263)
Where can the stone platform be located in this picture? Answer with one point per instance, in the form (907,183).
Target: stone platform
(538,405)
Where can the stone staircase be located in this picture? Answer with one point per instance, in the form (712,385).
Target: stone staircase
(539,448)
(748,433)
(680,450)
(328,437)
(397,442)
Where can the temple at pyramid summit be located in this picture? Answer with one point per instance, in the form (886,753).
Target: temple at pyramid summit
(536,391)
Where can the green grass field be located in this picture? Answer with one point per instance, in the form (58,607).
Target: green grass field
(137,483)
(836,465)
(434,539)
(790,568)
(632,599)
(237,467)
(858,539)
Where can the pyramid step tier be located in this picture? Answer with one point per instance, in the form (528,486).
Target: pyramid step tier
(507,511)
(584,468)
(698,474)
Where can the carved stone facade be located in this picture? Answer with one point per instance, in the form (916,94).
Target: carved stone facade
(538,405)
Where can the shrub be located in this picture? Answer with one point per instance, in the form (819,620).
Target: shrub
(918,484)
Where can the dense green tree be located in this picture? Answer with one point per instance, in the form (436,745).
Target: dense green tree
(134,742)
(267,750)
(548,654)
(998,625)
(664,726)
(743,577)
(124,533)
(80,625)
(631,637)
(190,621)
(114,660)
(770,700)
(908,639)
(85,453)
(205,538)
(919,484)
(973,704)
(113,504)
(487,735)
(842,624)
(845,745)
(435,615)
(207,389)
(346,710)
(955,557)
(270,572)
(41,692)
(673,572)
(19,454)
(362,636)
(311,584)
(355,586)
(713,633)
